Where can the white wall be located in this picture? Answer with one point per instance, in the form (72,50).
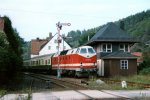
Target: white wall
(53,46)
(100,67)
(33,55)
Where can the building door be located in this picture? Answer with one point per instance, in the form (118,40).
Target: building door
(100,67)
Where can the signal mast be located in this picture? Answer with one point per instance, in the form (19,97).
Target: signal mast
(59,27)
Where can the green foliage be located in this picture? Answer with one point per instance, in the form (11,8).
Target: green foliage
(12,36)
(75,35)
(122,25)
(145,71)
(10,52)
(144,68)
(80,37)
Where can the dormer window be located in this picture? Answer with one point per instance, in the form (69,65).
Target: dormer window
(123,47)
(106,47)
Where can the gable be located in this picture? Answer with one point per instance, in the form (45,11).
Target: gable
(52,46)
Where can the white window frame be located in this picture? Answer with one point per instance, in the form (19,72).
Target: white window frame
(57,47)
(123,64)
(124,48)
(107,49)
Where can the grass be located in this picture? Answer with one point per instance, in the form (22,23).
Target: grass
(135,78)
(117,86)
(2,92)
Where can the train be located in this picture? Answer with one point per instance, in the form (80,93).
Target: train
(78,62)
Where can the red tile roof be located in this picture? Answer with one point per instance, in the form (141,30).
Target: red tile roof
(138,54)
(36,45)
(1,23)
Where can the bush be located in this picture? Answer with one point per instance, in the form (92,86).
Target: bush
(145,71)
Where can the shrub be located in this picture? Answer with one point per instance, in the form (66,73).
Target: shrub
(145,71)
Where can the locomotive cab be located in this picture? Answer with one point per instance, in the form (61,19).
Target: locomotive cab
(86,51)
(87,59)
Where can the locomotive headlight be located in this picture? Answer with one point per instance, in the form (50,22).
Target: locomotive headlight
(80,63)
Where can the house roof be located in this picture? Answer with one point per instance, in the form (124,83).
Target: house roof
(36,45)
(138,54)
(119,54)
(111,33)
(1,23)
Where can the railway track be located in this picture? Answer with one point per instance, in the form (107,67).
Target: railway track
(76,86)
(66,84)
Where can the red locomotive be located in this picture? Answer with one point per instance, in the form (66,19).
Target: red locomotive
(78,61)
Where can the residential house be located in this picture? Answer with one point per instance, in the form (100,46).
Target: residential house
(113,51)
(52,45)
(47,46)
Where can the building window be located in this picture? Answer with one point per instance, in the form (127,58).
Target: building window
(64,47)
(49,47)
(123,64)
(123,47)
(106,47)
(55,41)
(57,47)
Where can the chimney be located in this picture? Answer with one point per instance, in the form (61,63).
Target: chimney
(1,23)
(50,35)
(37,38)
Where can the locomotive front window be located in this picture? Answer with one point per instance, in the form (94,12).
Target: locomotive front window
(90,50)
(83,50)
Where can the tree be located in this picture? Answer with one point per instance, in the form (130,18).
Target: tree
(10,52)
(122,25)
(12,36)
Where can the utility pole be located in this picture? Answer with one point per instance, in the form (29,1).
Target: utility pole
(59,27)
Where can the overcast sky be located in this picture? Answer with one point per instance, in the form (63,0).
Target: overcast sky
(36,18)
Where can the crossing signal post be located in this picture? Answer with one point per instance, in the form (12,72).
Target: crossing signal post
(59,27)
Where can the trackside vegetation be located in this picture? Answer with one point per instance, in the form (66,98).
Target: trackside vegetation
(10,53)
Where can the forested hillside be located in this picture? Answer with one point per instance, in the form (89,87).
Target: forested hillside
(137,25)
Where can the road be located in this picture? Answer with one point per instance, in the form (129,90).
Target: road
(83,94)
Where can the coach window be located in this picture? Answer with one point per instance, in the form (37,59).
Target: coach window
(45,62)
(36,62)
(42,61)
(83,51)
(48,61)
(39,62)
